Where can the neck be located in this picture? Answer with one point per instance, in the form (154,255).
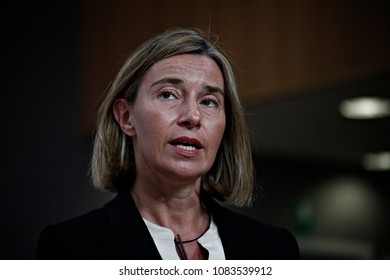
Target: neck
(178,208)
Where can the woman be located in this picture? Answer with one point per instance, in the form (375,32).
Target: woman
(171,138)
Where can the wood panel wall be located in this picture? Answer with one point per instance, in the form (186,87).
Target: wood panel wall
(277,47)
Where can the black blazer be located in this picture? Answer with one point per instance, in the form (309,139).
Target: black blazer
(117,231)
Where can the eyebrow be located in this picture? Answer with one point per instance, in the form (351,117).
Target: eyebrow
(211,89)
(174,81)
(177,81)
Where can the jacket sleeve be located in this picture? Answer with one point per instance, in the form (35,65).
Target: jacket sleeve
(292,252)
(51,245)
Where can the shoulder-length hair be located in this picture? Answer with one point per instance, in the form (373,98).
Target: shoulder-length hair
(113,167)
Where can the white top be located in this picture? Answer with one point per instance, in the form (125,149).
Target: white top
(164,239)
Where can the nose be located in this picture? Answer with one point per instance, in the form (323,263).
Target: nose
(189,115)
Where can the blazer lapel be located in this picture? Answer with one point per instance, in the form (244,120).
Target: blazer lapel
(132,240)
(231,245)
(235,244)
(128,231)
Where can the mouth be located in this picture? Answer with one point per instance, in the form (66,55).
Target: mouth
(187,143)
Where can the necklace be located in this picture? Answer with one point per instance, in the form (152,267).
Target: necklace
(180,243)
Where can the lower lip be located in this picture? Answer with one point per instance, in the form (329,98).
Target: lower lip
(186,153)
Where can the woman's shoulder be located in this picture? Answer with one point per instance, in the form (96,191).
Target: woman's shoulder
(60,240)
(250,238)
(92,219)
(231,215)
(252,225)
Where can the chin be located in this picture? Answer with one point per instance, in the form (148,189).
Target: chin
(188,174)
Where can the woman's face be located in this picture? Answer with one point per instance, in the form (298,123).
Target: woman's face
(178,118)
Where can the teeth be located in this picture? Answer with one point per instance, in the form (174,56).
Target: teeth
(188,148)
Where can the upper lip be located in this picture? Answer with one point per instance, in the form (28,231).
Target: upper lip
(187,140)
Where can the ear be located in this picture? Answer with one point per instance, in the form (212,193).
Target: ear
(123,114)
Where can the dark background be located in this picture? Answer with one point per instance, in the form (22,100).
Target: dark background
(307,156)
(45,153)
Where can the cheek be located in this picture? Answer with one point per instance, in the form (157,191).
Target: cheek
(222,132)
(150,125)
(146,128)
(218,130)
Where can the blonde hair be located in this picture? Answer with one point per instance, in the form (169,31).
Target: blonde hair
(113,167)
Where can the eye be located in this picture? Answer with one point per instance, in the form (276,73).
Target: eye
(210,102)
(166,94)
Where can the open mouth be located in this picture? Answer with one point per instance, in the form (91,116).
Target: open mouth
(186,143)
(185,146)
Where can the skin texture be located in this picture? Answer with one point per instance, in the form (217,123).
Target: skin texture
(180,103)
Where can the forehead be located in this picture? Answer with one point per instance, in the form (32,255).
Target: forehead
(189,67)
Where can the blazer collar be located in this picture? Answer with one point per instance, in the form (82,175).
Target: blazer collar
(128,231)
(231,233)
(132,239)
